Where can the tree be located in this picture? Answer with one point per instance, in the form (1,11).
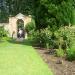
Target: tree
(23,6)
(55,13)
(13,7)
(3,11)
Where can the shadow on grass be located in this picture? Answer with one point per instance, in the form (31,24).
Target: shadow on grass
(24,42)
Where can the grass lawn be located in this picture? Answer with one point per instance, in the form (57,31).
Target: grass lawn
(19,59)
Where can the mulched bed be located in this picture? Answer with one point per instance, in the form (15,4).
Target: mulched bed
(59,66)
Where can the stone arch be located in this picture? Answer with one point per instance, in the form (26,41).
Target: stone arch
(20,25)
(12,27)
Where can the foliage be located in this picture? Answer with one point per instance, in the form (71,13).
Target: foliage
(60,53)
(53,13)
(3,11)
(68,34)
(30,26)
(70,42)
(13,7)
(42,38)
(23,6)
(39,38)
(3,33)
(43,10)
(71,53)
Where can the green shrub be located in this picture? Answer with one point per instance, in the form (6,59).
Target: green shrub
(30,26)
(3,33)
(42,37)
(71,53)
(65,37)
(59,53)
(45,38)
(68,34)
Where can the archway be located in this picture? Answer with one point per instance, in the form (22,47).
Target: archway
(15,21)
(20,25)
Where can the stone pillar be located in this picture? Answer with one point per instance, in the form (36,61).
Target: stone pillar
(13,27)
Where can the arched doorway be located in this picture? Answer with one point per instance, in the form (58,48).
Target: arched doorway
(20,25)
(16,22)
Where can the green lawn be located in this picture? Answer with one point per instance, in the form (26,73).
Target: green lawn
(19,59)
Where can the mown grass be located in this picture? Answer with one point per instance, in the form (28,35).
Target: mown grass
(21,59)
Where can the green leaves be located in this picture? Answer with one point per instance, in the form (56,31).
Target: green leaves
(30,26)
(55,13)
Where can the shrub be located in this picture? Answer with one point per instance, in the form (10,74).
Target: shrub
(42,38)
(65,36)
(62,40)
(59,53)
(70,54)
(69,42)
(3,33)
(30,26)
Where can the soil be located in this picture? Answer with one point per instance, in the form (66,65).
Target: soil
(59,66)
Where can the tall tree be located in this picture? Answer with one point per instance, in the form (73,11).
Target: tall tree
(55,13)
(23,6)
(3,11)
(13,7)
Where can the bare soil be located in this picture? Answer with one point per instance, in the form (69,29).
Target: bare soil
(59,66)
